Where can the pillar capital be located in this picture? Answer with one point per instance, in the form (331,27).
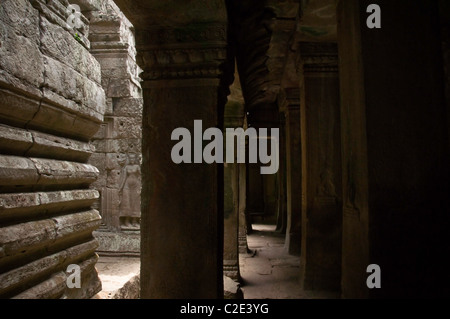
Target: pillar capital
(289,99)
(319,57)
(187,52)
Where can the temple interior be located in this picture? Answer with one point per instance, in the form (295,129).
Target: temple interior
(91,92)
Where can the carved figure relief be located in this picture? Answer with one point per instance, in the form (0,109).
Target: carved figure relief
(130,193)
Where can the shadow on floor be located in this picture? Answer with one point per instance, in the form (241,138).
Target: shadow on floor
(268,272)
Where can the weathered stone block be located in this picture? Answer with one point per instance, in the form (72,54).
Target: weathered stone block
(77,224)
(127,127)
(87,127)
(16,109)
(63,172)
(114,178)
(19,206)
(131,290)
(116,161)
(21,238)
(130,107)
(110,208)
(22,17)
(100,182)
(99,161)
(59,148)
(62,46)
(82,254)
(18,201)
(101,133)
(90,282)
(100,145)
(20,56)
(52,288)
(91,5)
(232,289)
(14,141)
(120,88)
(92,94)
(120,146)
(73,86)
(118,244)
(31,271)
(17,171)
(54,119)
(65,200)
(112,61)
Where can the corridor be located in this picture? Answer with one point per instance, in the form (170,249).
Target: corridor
(268,272)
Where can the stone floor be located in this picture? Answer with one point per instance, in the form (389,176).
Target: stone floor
(269,273)
(115,272)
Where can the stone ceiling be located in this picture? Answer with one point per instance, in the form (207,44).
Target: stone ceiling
(264,34)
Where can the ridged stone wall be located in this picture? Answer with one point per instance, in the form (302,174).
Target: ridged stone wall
(51,105)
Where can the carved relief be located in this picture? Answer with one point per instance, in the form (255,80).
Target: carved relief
(177,53)
(130,193)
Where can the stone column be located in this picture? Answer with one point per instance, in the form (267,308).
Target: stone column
(255,195)
(242,232)
(181,49)
(282,201)
(182,209)
(234,118)
(395,150)
(322,215)
(293,172)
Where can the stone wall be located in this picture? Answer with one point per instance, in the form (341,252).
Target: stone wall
(118,143)
(51,105)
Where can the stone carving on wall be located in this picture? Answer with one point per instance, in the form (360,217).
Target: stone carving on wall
(118,144)
(130,194)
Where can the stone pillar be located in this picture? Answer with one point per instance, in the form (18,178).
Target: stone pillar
(395,151)
(322,214)
(182,205)
(293,172)
(234,118)
(270,198)
(248,217)
(118,154)
(242,232)
(282,201)
(444,12)
(255,195)
(181,49)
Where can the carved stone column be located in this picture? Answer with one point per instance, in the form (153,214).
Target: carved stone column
(181,46)
(294,172)
(182,217)
(322,214)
